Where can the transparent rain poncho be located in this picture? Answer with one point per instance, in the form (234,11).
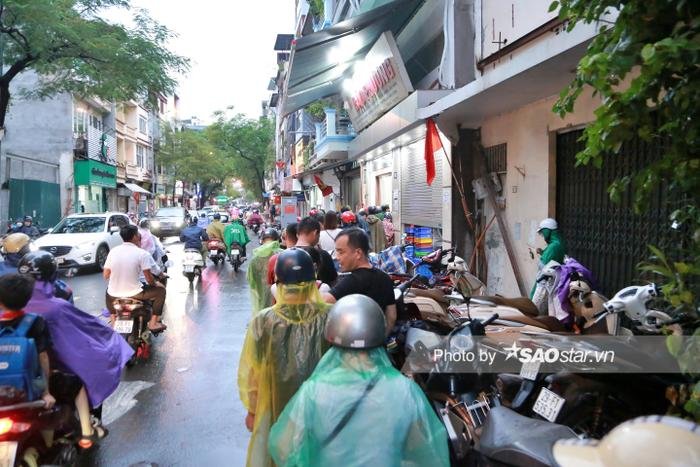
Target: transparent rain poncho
(257,275)
(281,348)
(393,425)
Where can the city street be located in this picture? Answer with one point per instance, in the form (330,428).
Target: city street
(181,407)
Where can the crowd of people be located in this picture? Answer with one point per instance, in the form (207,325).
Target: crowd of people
(314,374)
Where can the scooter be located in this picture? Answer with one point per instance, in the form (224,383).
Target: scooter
(131,321)
(235,256)
(192,264)
(217,251)
(22,435)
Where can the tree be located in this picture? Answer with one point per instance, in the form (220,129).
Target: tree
(654,45)
(189,155)
(74,50)
(248,144)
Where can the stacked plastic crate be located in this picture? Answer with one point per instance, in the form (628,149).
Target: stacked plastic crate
(408,241)
(423,240)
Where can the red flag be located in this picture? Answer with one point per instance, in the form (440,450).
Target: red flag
(325,189)
(432,145)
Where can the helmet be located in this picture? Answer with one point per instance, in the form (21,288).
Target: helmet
(193,221)
(255,211)
(294,266)
(313,212)
(217,216)
(653,440)
(356,322)
(40,264)
(144,223)
(16,243)
(202,215)
(28,218)
(348,217)
(271,233)
(548,223)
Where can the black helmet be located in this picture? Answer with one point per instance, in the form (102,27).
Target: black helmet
(40,264)
(217,216)
(194,220)
(145,224)
(294,266)
(28,218)
(271,233)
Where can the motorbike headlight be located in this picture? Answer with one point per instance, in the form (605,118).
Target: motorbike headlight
(461,342)
(155,224)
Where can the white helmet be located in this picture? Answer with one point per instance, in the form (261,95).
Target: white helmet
(548,223)
(649,441)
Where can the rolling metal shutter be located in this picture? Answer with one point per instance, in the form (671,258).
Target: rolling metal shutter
(420,204)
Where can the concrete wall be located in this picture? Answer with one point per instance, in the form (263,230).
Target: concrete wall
(38,141)
(530,133)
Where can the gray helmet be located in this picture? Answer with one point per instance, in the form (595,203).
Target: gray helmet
(356,322)
(271,233)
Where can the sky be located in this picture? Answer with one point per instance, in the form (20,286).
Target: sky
(230,44)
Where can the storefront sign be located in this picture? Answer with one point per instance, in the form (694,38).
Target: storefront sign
(289,210)
(379,82)
(91,172)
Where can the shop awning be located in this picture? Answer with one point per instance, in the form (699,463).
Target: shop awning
(134,188)
(320,60)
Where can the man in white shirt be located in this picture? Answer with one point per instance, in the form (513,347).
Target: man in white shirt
(124,266)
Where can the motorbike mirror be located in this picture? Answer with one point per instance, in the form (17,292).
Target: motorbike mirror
(113,230)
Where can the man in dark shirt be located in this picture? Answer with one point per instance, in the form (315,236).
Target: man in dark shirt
(351,250)
(15,292)
(308,233)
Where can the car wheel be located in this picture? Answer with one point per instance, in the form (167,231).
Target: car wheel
(101,257)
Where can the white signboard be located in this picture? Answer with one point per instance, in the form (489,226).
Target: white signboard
(378,83)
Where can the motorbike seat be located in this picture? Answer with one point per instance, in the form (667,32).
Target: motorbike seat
(549,323)
(522,304)
(435,294)
(513,439)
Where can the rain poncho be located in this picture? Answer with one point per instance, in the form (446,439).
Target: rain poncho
(393,425)
(257,275)
(566,272)
(376,229)
(281,348)
(555,251)
(216,230)
(81,343)
(235,233)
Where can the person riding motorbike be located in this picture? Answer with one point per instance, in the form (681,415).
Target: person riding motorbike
(283,343)
(236,232)
(194,237)
(216,228)
(346,412)
(203,220)
(29,229)
(257,270)
(255,219)
(75,334)
(14,247)
(123,268)
(556,248)
(348,219)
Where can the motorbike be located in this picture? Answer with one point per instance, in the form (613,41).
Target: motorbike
(192,264)
(22,440)
(131,321)
(217,251)
(235,256)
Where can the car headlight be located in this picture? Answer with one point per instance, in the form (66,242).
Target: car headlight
(155,224)
(85,245)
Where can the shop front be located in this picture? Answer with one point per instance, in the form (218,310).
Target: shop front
(96,184)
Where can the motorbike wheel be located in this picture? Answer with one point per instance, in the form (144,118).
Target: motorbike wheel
(190,277)
(215,260)
(236,265)
(67,456)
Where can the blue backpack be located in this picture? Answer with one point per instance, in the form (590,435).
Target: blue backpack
(19,361)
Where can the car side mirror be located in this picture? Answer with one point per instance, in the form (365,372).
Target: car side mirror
(113,230)
(49,230)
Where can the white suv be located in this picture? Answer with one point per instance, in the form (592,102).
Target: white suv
(84,239)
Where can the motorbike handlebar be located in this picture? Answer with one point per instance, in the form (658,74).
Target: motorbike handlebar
(490,320)
(24,405)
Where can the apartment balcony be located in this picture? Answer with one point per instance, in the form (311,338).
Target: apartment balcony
(333,137)
(80,145)
(140,174)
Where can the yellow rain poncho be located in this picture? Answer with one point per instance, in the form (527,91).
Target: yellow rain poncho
(393,425)
(257,275)
(281,348)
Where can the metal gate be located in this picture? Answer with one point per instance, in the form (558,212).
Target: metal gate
(41,200)
(608,238)
(420,204)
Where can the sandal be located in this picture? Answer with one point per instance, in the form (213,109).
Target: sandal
(87,442)
(160,327)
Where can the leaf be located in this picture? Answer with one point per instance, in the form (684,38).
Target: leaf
(674,344)
(553,6)
(682,268)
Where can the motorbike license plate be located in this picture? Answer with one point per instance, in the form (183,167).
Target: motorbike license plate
(60,260)
(188,268)
(548,404)
(235,252)
(8,451)
(213,253)
(124,326)
(529,370)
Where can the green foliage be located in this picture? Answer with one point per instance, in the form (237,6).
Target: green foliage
(645,70)
(316,8)
(248,145)
(75,50)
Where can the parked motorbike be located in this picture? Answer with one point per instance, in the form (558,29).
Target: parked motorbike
(217,251)
(192,264)
(131,321)
(22,440)
(235,256)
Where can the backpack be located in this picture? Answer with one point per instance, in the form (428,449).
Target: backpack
(20,372)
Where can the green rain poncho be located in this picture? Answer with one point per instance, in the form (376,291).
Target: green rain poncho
(257,275)
(281,348)
(394,425)
(235,233)
(555,251)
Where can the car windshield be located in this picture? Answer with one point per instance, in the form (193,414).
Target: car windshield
(80,225)
(169,212)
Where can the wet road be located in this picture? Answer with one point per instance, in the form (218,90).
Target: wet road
(181,408)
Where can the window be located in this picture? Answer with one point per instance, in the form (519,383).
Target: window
(140,156)
(142,125)
(79,121)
